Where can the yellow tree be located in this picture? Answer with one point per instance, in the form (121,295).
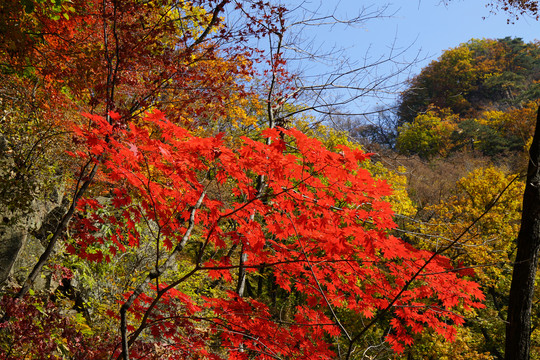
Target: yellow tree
(486,208)
(429,134)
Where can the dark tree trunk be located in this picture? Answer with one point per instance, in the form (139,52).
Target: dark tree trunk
(518,327)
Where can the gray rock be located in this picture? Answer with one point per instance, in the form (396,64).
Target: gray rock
(25,228)
(12,241)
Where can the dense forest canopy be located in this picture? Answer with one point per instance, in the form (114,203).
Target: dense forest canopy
(166,191)
(476,76)
(480,95)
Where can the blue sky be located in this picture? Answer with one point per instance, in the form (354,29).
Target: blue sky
(437,27)
(422,29)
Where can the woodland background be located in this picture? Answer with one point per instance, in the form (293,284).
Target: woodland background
(171,189)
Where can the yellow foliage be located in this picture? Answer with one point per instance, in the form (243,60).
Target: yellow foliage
(400,201)
(485,210)
(487,244)
(434,346)
(429,134)
(513,122)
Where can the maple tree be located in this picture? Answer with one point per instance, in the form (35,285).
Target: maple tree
(313,207)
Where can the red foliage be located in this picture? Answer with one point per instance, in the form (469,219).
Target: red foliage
(319,223)
(37,329)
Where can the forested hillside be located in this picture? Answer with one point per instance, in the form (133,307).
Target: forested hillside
(463,129)
(171,189)
(480,96)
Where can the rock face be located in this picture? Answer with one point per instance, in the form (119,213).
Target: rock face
(28,212)
(23,239)
(11,243)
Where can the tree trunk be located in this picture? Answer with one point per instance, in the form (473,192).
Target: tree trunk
(518,327)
